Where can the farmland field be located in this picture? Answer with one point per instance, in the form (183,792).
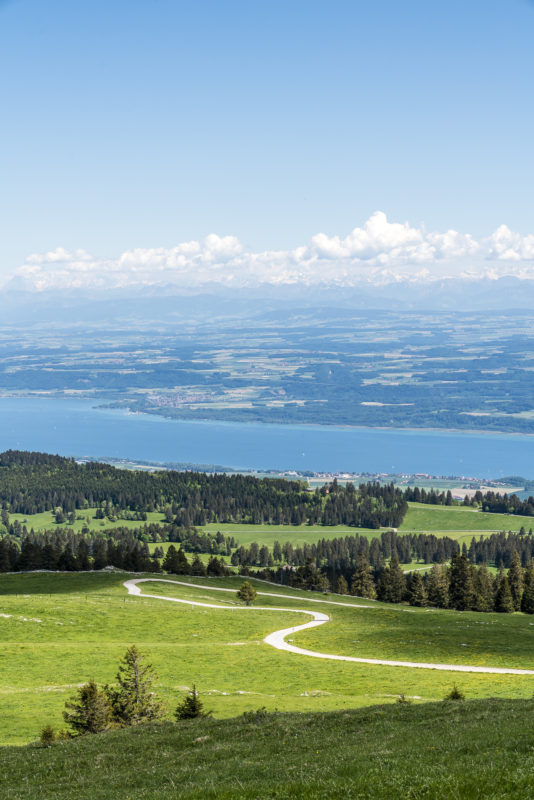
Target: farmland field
(59,630)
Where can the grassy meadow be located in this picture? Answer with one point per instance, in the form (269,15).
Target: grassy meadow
(436,751)
(59,630)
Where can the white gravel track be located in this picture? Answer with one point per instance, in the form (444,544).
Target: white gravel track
(277,639)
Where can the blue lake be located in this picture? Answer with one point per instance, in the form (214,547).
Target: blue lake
(75,427)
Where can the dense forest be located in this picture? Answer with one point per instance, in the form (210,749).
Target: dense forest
(31,483)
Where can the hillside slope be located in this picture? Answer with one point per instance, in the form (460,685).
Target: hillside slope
(441,750)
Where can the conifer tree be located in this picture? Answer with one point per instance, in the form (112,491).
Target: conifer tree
(437,586)
(197,567)
(416,590)
(362,583)
(392,583)
(89,711)
(247,593)
(504,602)
(133,701)
(527,601)
(191,706)
(461,594)
(516,580)
(341,585)
(484,589)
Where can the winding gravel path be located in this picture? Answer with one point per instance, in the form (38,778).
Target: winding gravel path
(277,639)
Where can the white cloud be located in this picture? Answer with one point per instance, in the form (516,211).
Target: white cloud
(506,245)
(378,252)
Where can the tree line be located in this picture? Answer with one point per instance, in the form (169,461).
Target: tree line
(458,585)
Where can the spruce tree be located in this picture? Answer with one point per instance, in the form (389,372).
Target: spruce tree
(191,706)
(484,589)
(527,602)
(392,583)
(504,602)
(89,711)
(516,580)
(175,561)
(437,586)
(247,593)
(341,585)
(133,701)
(461,593)
(197,567)
(416,590)
(362,583)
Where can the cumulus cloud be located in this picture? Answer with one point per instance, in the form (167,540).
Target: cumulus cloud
(378,252)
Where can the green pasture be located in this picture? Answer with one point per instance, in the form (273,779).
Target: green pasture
(59,630)
(432,751)
(296,534)
(448,519)
(84,517)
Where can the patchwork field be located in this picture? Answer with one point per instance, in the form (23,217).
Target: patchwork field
(60,630)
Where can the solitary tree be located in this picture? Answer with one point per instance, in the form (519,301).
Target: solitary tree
(133,701)
(89,711)
(191,706)
(247,593)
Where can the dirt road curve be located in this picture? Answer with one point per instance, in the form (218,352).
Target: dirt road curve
(277,639)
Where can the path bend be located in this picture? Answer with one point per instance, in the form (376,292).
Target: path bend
(277,638)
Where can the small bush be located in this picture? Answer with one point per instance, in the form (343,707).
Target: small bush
(455,694)
(191,707)
(48,736)
(404,700)
(257,717)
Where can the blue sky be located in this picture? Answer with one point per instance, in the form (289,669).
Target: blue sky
(147,124)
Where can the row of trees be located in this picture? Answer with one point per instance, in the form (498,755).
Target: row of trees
(459,585)
(77,553)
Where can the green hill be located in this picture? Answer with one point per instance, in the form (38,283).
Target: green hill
(447,750)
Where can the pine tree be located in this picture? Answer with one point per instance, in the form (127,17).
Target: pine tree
(247,593)
(90,711)
(133,701)
(362,583)
(191,706)
(516,580)
(341,586)
(504,602)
